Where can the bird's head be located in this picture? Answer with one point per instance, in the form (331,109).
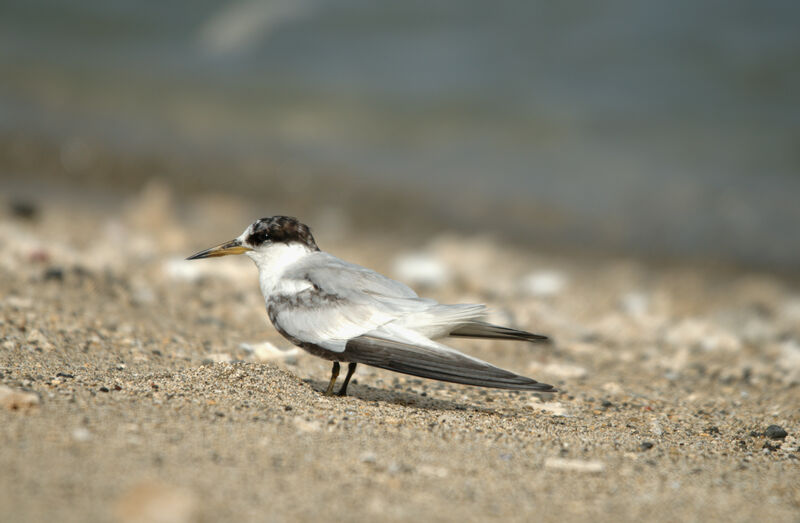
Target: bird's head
(263,236)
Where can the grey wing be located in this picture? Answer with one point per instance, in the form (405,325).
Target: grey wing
(338,301)
(442,364)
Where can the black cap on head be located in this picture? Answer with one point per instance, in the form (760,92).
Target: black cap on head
(280,229)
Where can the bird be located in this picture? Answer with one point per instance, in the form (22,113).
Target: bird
(347,313)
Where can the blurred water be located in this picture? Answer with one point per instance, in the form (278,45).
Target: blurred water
(672,126)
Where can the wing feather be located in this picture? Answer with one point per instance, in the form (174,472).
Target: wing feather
(340,301)
(480,329)
(442,363)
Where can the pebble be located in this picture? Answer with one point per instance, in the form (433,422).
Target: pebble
(81,434)
(558,370)
(24,210)
(635,304)
(553,408)
(612,388)
(655,428)
(368,457)
(38,339)
(266,351)
(304,425)
(574,465)
(433,472)
(54,273)
(217,357)
(156,503)
(789,361)
(421,269)
(544,284)
(17,302)
(691,333)
(775,432)
(17,400)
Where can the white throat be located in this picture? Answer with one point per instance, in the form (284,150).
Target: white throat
(272,261)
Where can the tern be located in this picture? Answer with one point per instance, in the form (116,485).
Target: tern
(350,314)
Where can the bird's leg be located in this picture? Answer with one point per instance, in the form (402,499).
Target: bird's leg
(351,368)
(334,375)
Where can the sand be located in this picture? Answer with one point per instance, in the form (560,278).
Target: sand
(135,386)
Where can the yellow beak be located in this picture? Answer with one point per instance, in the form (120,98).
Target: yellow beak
(223,249)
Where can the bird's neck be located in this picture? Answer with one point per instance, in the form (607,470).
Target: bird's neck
(273,262)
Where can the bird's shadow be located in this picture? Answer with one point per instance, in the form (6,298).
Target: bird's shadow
(404,398)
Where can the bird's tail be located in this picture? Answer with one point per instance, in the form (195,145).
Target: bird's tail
(439,363)
(480,329)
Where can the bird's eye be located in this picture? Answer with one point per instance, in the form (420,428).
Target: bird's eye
(257,238)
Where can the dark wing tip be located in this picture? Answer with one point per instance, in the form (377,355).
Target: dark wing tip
(430,363)
(540,338)
(481,329)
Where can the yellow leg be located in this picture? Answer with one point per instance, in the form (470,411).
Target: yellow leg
(334,375)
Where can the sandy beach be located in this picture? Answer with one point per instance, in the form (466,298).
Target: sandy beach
(135,386)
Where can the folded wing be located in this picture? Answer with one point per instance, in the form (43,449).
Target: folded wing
(329,301)
(442,364)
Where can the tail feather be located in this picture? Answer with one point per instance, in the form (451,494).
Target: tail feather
(440,364)
(480,329)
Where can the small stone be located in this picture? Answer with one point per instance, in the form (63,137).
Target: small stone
(574,465)
(304,425)
(368,457)
(544,284)
(635,304)
(156,503)
(17,302)
(24,210)
(612,387)
(17,400)
(38,339)
(553,408)
(54,274)
(559,370)
(433,472)
(217,357)
(422,269)
(447,419)
(81,434)
(775,432)
(266,351)
(396,468)
(655,428)
(646,445)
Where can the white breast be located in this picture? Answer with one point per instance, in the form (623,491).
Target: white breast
(272,261)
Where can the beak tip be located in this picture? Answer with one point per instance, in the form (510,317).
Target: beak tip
(224,249)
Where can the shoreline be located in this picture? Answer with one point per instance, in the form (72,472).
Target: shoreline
(32,163)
